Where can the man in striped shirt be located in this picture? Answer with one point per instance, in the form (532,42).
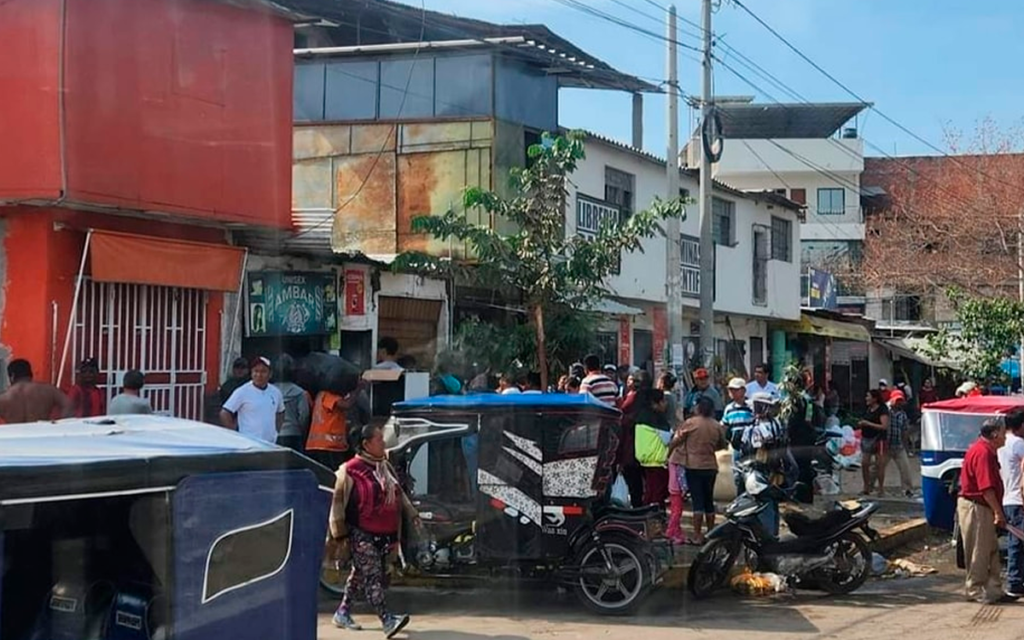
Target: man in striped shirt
(598,384)
(738,417)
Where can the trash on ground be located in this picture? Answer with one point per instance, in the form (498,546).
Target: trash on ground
(903,568)
(758,584)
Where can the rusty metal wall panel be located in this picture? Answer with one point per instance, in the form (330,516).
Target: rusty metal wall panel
(372,138)
(366,211)
(312,184)
(321,141)
(442,136)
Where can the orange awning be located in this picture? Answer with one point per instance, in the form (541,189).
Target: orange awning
(123,257)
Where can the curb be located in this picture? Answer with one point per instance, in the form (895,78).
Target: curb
(888,540)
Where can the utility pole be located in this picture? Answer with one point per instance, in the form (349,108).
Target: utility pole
(707,246)
(673,257)
(1020,288)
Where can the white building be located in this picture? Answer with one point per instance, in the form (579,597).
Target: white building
(757,259)
(807,152)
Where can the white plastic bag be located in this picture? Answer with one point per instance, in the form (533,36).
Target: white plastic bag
(620,492)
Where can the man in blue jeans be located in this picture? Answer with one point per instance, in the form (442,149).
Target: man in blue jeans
(1011,457)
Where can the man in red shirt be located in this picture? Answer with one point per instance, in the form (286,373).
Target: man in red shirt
(88,400)
(980,512)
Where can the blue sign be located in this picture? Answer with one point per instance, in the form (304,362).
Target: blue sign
(821,290)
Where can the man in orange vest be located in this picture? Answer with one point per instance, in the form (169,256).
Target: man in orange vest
(335,411)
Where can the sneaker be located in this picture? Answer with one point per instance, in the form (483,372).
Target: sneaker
(343,620)
(393,623)
(1016,594)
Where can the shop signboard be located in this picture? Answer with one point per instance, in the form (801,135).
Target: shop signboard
(821,289)
(291,303)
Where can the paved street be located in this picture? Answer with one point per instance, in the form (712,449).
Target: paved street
(882,609)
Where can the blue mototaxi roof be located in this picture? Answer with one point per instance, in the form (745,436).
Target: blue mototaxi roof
(495,402)
(128,453)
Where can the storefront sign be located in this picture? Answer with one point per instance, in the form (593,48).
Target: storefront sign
(660,336)
(592,213)
(355,292)
(624,336)
(821,289)
(288,303)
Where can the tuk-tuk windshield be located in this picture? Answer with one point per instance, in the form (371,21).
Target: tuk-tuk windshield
(400,432)
(951,431)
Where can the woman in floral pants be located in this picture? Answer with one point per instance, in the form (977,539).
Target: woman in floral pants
(366,515)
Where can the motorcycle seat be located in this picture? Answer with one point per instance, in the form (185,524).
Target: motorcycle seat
(628,513)
(805,526)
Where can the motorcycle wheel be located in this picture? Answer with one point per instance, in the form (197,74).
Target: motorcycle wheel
(851,565)
(615,585)
(333,577)
(711,567)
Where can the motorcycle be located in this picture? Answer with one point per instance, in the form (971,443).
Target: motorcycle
(825,553)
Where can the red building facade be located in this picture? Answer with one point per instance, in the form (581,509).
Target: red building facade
(134,135)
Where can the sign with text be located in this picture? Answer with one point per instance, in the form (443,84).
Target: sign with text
(592,213)
(291,303)
(821,289)
(660,336)
(355,292)
(625,331)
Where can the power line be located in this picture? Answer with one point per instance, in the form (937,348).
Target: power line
(579,6)
(856,96)
(387,140)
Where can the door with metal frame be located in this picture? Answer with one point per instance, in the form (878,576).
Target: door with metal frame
(160,331)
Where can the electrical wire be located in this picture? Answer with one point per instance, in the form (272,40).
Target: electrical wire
(856,96)
(583,8)
(392,132)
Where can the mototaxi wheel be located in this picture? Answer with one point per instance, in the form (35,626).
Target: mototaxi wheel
(613,576)
(851,565)
(711,567)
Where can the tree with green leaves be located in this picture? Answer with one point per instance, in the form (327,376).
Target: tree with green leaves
(991,329)
(549,267)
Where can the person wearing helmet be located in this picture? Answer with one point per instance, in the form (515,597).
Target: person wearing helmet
(767,442)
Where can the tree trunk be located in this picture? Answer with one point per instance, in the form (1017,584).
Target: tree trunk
(542,347)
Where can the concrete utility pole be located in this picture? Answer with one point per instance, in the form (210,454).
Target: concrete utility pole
(673,257)
(707,246)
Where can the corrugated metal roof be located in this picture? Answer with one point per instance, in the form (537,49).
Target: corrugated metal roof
(782,121)
(384,21)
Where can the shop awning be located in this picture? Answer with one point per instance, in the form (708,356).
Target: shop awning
(815,326)
(614,308)
(123,257)
(911,348)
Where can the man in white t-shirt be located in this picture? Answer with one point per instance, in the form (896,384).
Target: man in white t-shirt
(256,408)
(1011,457)
(761,383)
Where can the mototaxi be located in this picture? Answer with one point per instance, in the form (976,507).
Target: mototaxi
(948,428)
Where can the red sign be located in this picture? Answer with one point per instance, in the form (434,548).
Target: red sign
(624,334)
(355,292)
(660,336)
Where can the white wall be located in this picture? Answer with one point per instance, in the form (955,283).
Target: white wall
(643,274)
(759,164)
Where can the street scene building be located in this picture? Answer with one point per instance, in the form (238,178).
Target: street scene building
(317,312)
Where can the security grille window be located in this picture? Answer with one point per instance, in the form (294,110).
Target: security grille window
(689,251)
(247,555)
(760,293)
(782,239)
(903,308)
(831,202)
(724,216)
(620,189)
(607,346)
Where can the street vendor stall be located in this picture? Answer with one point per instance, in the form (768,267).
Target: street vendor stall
(140,527)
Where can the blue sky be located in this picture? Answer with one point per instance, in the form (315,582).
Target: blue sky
(934,66)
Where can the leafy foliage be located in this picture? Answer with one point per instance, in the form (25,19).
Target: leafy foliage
(990,330)
(548,266)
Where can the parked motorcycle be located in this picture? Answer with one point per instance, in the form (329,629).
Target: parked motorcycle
(825,553)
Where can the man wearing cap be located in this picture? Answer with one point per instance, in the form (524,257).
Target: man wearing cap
(702,388)
(87,399)
(256,408)
(737,418)
(239,376)
(883,386)
(899,421)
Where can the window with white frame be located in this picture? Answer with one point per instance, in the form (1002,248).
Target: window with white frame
(724,216)
(831,202)
(689,252)
(782,239)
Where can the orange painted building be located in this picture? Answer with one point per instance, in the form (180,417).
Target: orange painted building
(135,134)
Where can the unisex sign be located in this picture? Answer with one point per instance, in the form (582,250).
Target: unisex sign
(291,303)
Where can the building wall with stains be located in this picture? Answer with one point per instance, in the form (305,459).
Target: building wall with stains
(377,177)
